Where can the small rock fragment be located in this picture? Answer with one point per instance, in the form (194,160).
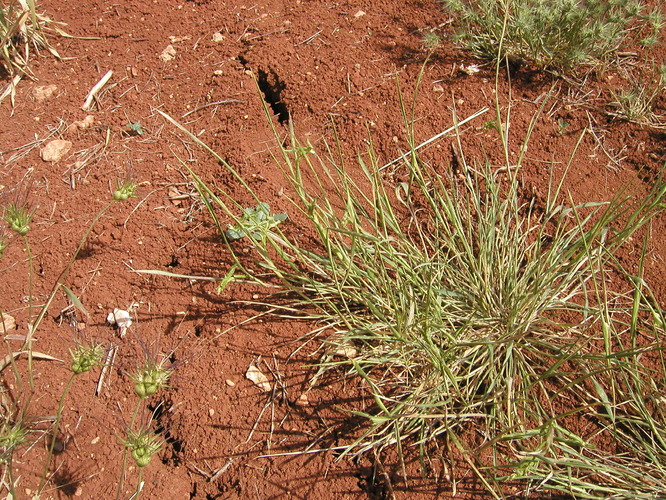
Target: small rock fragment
(470,70)
(54,150)
(260,380)
(437,88)
(81,124)
(218,37)
(7,323)
(346,352)
(43,92)
(174,195)
(360,13)
(302,400)
(120,319)
(230,383)
(168,54)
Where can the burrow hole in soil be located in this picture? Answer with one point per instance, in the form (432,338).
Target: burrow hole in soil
(271,86)
(159,414)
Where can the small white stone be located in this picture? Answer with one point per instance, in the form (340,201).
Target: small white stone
(7,324)
(119,318)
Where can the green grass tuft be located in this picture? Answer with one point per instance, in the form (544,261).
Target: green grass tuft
(474,315)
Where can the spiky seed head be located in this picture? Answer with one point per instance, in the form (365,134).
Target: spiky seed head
(150,378)
(18,217)
(85,357)
(143,445)
(124,190)
(11,437)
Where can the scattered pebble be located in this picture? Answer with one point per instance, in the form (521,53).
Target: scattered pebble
(218,37)
(437,88)
(120,319)
(302,400)
(346,352)
(230,383)
(360,13)
(211,412)
(8,323)
(470,70)
(54,150)
(260,380)
(95,440)
(43,92)
(81,124)
(168,54)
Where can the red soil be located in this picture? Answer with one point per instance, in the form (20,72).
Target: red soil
(331,62)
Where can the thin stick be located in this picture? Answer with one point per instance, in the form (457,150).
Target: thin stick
(95,89)
(222,470)
(216,103)
(435,137)
(108,364)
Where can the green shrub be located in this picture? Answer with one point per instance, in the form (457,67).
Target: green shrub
(555,34)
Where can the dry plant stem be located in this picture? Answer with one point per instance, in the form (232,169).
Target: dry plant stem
(139,484)
(10,474)
(123,467)
(54,437)
(93,92)
(63,274)
(28,343)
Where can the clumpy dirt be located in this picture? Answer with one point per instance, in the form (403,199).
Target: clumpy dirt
(318,65)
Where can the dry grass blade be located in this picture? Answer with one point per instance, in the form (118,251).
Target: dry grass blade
(7,360)
(22,31)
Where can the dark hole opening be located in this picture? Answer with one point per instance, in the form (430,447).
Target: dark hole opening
(272,88)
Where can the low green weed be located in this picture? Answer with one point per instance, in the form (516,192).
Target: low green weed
(14,424)
(255,223)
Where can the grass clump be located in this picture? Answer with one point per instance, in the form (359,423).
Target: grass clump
(22,31)
(558,35)
(476,317)
(637,103)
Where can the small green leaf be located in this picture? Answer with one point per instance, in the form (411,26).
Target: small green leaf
(255,222)
(74,300)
